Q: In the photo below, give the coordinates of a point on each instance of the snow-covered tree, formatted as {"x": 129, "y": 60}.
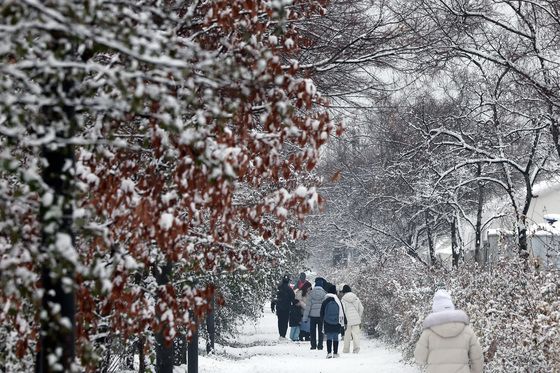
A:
{"x": 144, "y": 144}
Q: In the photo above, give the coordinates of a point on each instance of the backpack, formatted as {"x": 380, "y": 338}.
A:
{"x": 331, "y": 313}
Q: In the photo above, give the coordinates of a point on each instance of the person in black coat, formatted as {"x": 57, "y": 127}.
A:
{"x": 296, "y": 314}
{"x": 284, "y": 299}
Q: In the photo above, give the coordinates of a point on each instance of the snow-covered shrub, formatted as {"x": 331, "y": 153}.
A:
{"x": 514, "y": 307}
{"x": 9, "y": 350}
{"x": 515, "y": 310}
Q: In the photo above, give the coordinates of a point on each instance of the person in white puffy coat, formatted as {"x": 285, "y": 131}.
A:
{"x": 353, "y": 311}
{"x": 448, "y": 343}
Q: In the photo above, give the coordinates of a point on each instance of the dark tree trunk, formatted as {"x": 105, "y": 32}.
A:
{"x": 211, "y": 326}
{"x": 478, "y": 226}
{"x": 58, "y": 307}
{"x": 454, "y": 244}
{"x": 522, "y": 237}
{"x": 192, "y": 350}
{"x": 141, "y": 357}
{"x": 556, "y": 136}
{"x": 164, "y": 350}
{"x": 164, "y": 354}
{"x": 431, "y": 248}
{"x": 555, "y": 130}
{"x": 522, "y": 221}
{"x": 180, "y": 349}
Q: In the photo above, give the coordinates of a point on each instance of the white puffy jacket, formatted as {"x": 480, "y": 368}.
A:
{"x": 448, "y": 344}
{"x": 353, "y": 309}
{"x": 314, "y": 301}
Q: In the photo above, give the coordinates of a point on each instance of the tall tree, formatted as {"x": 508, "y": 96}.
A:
{"x": 191, "y": 126}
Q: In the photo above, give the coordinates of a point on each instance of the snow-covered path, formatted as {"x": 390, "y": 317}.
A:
{"x": 259, "y": 351}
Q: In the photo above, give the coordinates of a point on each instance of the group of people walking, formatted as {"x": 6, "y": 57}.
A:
{"x": 319, "y": 313}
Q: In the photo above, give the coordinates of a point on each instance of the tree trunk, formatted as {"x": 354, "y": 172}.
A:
{"x": 522, "y": 237}
{"x": 454, "y": 246}
{"x": 431, "y": 248}
{"x": 555, "y": 130}
{"x": 164, "y": 350}
{"x": 478, "y": 226}
{"x": 141, "y": 357}
{"x": 192, "y": 350}
{"x": 58, "y": 307}
{"x": 211, "y": 326}
{"x": 164, "y": 354}
{"x": 522, "y": 220}
{"x": 180, "y": 349}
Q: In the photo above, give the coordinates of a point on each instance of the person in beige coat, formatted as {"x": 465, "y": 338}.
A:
{"x": 448, "y": 344}
{"x": 353, "y": 311}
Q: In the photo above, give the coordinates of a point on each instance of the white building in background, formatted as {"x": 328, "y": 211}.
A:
{"x": 545, "y": 202}
{"x": 543, "y": 221}
{"x": 498, "y": 238}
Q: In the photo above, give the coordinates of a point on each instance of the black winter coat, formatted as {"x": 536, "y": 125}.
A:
{"x": 284, "y": 298}
{"x": 296, "y": 314}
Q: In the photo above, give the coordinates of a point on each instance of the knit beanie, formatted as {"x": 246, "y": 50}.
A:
{"x": 442, "y": 301}
{"x": 346, "y": 289}
{"x": 319, "y": 281}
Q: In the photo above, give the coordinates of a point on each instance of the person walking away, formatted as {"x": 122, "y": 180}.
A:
{"x": 353, "y": 311}
{"x": 284, "y": 299}
{"x": 448, "y": 343}
{"x": 296, "y": 314}
{"x": 313, "y": 314}
{"x": 332, "y": 315}
{"x": 302, "y": 295}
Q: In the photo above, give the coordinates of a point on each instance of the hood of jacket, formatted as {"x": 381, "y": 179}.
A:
{"x": 447, "y": 324}
{"x": 350, "y": 297}
{"x": 448, "y": 330}
{"x": 317, "y": 294}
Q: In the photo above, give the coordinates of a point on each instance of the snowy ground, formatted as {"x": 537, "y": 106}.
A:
{"x": 259, "y": 351}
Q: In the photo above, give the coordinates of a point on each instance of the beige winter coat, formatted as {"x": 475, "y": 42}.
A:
{"x": 353, "y": 309}
{"x": 448, "y": 344}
